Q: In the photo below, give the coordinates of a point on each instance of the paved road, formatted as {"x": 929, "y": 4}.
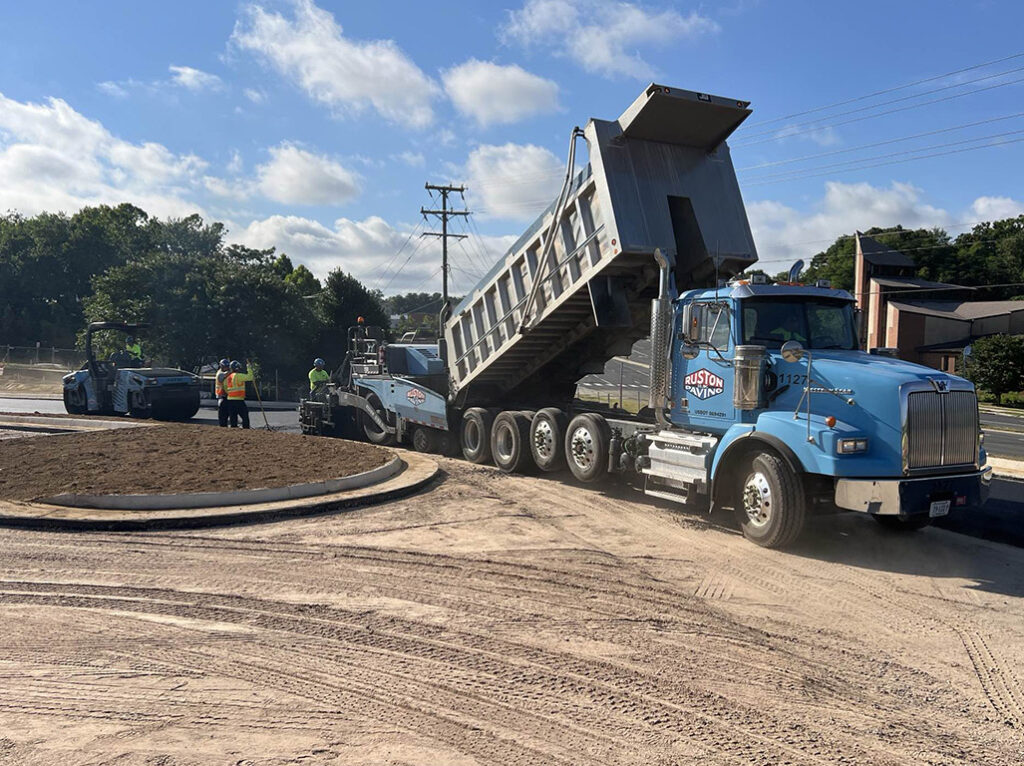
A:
{"x": 280, "y": 419}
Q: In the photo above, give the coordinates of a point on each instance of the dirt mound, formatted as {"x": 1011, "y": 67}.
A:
{"x": 174, "y": 458}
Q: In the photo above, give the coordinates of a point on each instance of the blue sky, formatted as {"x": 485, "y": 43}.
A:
{"x": 312, "y": 127}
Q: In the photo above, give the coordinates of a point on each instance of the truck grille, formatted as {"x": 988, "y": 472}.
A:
{"x": 942, "y": 429}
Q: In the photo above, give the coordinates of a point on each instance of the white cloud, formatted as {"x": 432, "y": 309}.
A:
{"x": 236, "y": 163}
{"x": 366, "y": 249}
{"x": 194, "y": 79}
{"x": 494, "y": 94}
{"x": 513, "y": 181}
{"x": 602, "y": 36}
{"x": 256, "y": 96}
{"x": 783, "y": 233}
{"x": 111, "y": 88}
{"x": 821, "y": 135}
{"x": 295, "y": 176}
{"x": 54, "y": 158}
{"x": 346, "y": 75}
{"x": 412, "y": 159}
{"x": 996, "y": 208}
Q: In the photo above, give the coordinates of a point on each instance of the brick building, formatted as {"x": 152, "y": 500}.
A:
{"x": 929, "y": 322}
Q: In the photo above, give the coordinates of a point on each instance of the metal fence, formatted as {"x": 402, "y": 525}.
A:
{"x": 64, "y": 358}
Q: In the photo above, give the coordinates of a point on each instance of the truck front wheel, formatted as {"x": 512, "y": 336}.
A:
{"x": 74, "y": 401}
{"x": 770, "y": 507}
{"x": 476, "y": 435}
{"x": 510, "y": 442}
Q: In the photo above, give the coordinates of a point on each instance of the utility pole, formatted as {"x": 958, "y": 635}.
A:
{"x": 444, "y": 214}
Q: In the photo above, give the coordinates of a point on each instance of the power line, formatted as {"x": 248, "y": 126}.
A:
{"x": 394, "y": 258}
{"x": 886, "y": 90}
{"x": 394, "y": 276}
{"x": 834, "y": 152}
{"x": 896, "y": 100}
{"x": 785, "y": 175}
{"x": 879, "y": 114}
{"x": 797, "y": 177}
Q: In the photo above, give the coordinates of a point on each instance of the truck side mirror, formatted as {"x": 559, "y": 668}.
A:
{"x": 693, "y": 315}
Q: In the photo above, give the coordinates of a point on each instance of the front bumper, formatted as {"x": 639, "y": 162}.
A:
{"x": 909, "y": 497}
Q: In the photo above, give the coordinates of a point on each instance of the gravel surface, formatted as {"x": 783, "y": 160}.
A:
{"x": 510, "y": 621}
{"x": 174, "y": 458}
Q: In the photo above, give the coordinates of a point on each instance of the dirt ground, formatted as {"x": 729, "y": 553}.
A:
{"x": 510, "y": 620}
{"x": 174, "y": 458}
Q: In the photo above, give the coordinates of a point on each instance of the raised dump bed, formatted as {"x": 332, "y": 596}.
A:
{"x": 549, "y": 313}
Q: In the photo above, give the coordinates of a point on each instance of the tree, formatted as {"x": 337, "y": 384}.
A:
{"x": 996, "y": 364}
{"x": 339, "y": 305}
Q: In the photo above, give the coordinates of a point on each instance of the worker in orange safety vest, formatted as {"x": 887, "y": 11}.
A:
{"x": 234, "y": 386}
{"x": 221, "y": 393}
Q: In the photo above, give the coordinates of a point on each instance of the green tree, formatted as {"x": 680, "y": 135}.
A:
{"x": 339, "y": 305}
{"x": 996, "y": 364}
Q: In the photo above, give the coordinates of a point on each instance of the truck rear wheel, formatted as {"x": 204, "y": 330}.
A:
{"x": 909, "y": 524}
{"x": 476, "y": 435}
{"x": 510, "y": 442}
{"x": 371, "y": 430}
{"x": 586, "y": 446}
{"x": 770, "y": 507}
{"x": 547, "y": 438}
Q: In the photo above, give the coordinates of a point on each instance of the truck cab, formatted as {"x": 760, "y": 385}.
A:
{"x": 777, "y": 369}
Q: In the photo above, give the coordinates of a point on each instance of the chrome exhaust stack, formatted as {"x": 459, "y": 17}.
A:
{"x": 661, "y": 342}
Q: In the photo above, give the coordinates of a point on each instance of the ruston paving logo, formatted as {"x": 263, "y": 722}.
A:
{"x": 416, "y": 397}
{"x": 704, "y": 383}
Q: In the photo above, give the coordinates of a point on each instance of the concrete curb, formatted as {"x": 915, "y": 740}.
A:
{"x": 419, "y": 471}
{"x": 237, "y": 497}
{"x": 1005, "y": 468}
{"x": 63, "y": 424}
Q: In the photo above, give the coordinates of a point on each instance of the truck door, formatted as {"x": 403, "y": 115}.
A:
{"x": 702, "y": 386}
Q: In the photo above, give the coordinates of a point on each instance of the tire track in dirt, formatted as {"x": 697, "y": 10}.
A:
{"x": 729, "y": 728}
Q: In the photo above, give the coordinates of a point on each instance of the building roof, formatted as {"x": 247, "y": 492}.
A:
{"x": 878, "y": 254}
{"x": 965, "y": 311}
{"x": 913, "y": 283}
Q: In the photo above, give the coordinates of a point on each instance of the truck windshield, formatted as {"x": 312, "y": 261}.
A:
{"x": 817, "y": 323}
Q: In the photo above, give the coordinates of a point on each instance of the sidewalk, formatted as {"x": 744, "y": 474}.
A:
{"x": 1005, "y": 468}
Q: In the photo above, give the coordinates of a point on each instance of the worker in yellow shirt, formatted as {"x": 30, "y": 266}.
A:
{"x": 133, "y": 347}
{"x": 318, "y": 376}
{"x": 234, "y": 386}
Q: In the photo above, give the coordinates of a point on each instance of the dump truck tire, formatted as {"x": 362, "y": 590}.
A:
{"x": 770, "y": 508}
{"x": 586, "y": 447}
{"x": 547, "y": 439}
{"x": 475, "y": 435}
{"x": 370, "y": 430}
{"x": 510, "y": 442}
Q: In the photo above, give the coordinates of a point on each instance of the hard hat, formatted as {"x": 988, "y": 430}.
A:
{"x": 360, "y": 320}
{"x": 318, "y": 362}
{"x": 236, "y": 366}
{"x": 130, "y": 339}
{"x": 225, "y": 362}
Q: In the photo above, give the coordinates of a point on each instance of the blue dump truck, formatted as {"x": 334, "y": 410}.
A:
{"x": 760, "y": 397}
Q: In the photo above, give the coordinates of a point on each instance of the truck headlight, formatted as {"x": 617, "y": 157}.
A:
{"x": 851, "y": 446}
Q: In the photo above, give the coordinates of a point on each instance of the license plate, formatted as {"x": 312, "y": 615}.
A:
{"x": 939, "y": 508}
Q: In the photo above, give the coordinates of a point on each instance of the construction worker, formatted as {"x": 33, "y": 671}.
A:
{"x": 234, "y": 386}
{"x": 222, "y": 393}
{"x": 318, "y": 376}
{"x": 133, "y": 347}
